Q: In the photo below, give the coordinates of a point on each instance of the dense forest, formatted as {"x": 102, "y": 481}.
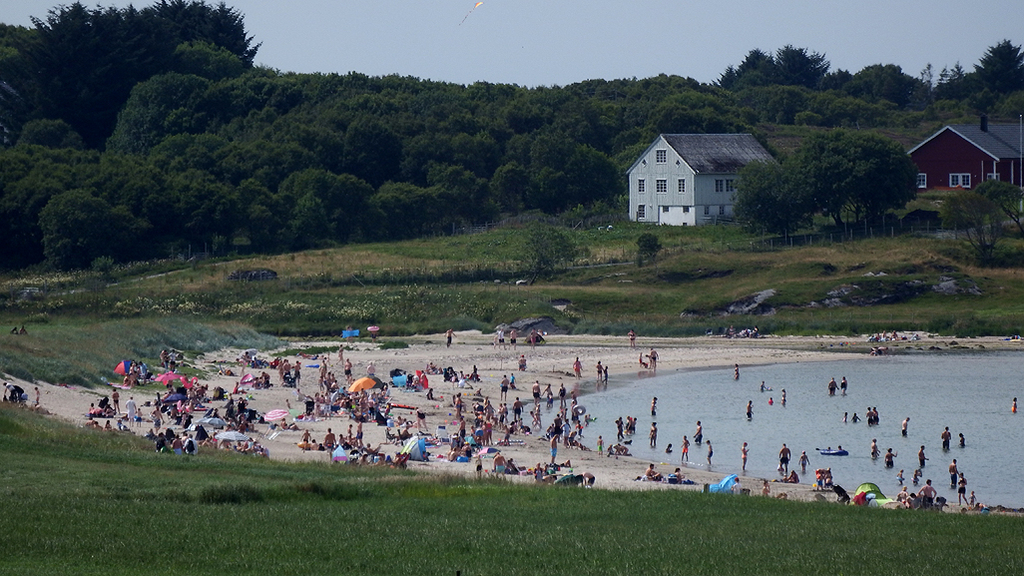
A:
{"x": 132, "y": 134}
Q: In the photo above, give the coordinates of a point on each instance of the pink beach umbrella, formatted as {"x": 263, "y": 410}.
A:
{"x": 275, "y": 415}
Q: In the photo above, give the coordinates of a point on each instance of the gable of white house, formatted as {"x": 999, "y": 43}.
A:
{"x": 661, "y": 186}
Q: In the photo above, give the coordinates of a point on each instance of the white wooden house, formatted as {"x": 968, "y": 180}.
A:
{"x": 690, "y": 179}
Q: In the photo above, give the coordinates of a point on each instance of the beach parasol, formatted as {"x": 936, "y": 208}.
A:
{"x": 174, "y": 398}
{"x": 275, "y": 415}
{"x": 366, "y": 383}
{"x": 232, "y": 436}
{"x": 167, "y": 377}
{"x": 488, "y": 451}
{"x": 339, "y": 455}
{"x": 123, "y": 367}
{"x": 212, "y": 421}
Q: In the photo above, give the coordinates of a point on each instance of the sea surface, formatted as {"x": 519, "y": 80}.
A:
{"x": 971, "y": 393}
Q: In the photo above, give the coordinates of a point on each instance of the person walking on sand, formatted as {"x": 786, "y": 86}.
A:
{"x": 632, "y": 339}
{"x": 554, "y": 447}
{"x": 577, "y": 367}
{"x": 653, "y": 359}
{"x": 448, "y": 336}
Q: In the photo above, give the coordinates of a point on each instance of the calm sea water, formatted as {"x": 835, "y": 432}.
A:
{"x": 971, "y": 393}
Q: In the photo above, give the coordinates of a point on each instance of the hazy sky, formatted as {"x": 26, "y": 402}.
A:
{"x": 558, "y": 42}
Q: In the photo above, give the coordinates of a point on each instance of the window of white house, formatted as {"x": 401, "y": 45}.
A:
{"x": 719, "y": 185}
{"x": 707, "y": 210}
{"x": 962, "y": 180}
{"x": 922, "y": 180}
{"x": 641, "y": 212}
{"x": 664, "y": 209}
{"x": 686, "y": 209}
{"x": 661, "y": 156}
{"x": 661, "y": 186}
{"x": 641, "y": 186}
{"x": 729, "y": 186}
{"x": 721, "y": 210}
{"x": 682, "y": 185}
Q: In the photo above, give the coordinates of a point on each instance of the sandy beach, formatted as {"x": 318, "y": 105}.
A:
{"x": 549, "y": 363}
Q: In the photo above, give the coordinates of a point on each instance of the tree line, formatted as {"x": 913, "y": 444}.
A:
{"x": 133, "y": 134}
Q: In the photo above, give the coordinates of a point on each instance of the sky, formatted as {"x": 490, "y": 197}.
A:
{"x": 560, "y": 42}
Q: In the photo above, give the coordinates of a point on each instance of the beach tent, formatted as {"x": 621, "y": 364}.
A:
{"x": 870, "y": 492}
{"x": 416, "y": 448}
{"x": 725, "y": 486}
{"x": 366, "y": 383}
{"x": 570, "y": 480}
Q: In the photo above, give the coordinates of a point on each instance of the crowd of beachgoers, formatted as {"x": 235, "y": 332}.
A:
{"x": 483, "y": 404}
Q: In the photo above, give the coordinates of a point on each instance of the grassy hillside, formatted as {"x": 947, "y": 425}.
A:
{"x": 702, "y": 278}
{"x": 104, "y": 503}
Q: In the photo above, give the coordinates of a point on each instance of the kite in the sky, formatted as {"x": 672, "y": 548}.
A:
{"x": 470, "y": 12}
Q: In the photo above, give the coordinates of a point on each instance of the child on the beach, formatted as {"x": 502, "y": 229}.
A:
{"x": 899, "y": 477}
{"x": 917, "y": 477}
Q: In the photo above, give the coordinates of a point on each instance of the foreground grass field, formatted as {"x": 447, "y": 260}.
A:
{"x": 79, "y": 502}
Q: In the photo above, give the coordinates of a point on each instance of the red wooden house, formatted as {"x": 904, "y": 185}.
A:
{"x": 963, "y": 155}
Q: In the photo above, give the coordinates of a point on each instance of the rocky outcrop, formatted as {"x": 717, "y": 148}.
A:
{"x": 252, "y": 275}
{"x": 523, "y": 326}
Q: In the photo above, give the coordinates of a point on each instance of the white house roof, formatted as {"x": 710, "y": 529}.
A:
{"x": 998, "y": 141}
{"x": 715, "y": 153}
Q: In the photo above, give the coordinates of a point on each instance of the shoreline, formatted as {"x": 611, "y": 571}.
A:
{"x": 550, "y": 363}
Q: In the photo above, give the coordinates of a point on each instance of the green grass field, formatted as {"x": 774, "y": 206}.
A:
{"x": 84, "y": 502}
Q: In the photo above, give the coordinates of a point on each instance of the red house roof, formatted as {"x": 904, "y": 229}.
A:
{"x": 999, "y": 141}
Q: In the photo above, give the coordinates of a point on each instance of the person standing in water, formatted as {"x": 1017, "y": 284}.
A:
{"x": 743, "y": 455}
{"x": 698, "y": 434}
{"x": 750, "y": 409}
{"x": 711, "y": 453}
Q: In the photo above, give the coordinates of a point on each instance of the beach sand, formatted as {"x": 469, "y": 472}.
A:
{"x": 550, "y": 363}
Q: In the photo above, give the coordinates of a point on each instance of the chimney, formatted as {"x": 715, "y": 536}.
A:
{"x": 984, "y": 123}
